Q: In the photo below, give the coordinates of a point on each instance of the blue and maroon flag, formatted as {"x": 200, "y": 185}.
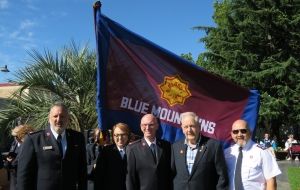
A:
{"x": 136, "y": 77}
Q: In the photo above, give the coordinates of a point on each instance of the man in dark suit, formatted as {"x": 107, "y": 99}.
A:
{"x": 54, "y": 158}
{"x": 148, "y": 159}
{"x": 197, "y": 161}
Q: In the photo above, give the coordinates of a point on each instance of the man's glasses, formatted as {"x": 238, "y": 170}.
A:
{"x": 236, "y": 131}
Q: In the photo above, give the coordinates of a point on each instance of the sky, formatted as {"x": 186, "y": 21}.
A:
{"x": 27, "y": 25}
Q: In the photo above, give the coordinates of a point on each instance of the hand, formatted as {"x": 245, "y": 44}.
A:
{"x": 10, "y": 159}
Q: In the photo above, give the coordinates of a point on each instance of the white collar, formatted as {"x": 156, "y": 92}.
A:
{"x": 149, "y": 143}
{"x": 56, "y": 134}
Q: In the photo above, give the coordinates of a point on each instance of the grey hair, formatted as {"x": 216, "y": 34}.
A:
{"x": 189, "y": 114}
{"x": 60, "y": 104}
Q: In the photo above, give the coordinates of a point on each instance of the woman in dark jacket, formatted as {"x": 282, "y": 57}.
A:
{"x": 111, "y": 165}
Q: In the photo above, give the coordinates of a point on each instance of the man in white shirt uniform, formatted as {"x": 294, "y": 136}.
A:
{"x": 249, "y": 165}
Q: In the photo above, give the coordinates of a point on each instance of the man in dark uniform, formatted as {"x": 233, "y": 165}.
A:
{"x": 197, "y": 161}
{"x": 54, "y": 158}
{"x": 148, "y": 159}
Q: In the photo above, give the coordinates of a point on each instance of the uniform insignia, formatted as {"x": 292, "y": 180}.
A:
{"x": 47, "y": 147}
{"x": 181, "y": 151}
{"x": 174, "y": 90}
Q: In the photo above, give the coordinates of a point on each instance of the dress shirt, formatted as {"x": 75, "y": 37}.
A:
{"x": 191, "y": 153}
{"x": 258, "y": 165}
{"x": 63, "y": 140}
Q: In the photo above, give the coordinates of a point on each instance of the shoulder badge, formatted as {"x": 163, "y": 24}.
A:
{"x": 34, "y": 132}
{"x": 134, "y": 142}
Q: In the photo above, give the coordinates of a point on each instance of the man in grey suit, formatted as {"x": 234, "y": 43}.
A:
{"x": 53, "y": 158}
{"x": 148, "y": 159}
{"x": 197, "y": 161}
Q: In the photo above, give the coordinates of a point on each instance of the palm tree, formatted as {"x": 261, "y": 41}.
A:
{"x": 68, "y": 76}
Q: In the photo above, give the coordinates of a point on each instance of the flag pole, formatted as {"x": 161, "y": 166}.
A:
{"x": 96, "y": 6}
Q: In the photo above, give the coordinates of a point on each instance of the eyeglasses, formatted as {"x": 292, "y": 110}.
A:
{"x": 236, "y": 131}
{"x": 120, "y": 135}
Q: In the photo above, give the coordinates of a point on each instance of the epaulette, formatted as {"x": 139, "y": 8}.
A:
{"x": 261, "y": 146}
{"x": 34, "y": 132}
{"x": 134, "y": 142}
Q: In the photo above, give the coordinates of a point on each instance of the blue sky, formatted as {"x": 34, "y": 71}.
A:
{"x": 39, "y": 25}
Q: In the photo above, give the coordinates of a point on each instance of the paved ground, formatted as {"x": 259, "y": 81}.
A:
{"x": 282, "y": 180}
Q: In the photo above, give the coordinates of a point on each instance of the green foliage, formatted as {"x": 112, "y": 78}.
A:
{"x": 294, "y": 176}
{"x": 188, "y": 57}
{"x": 68, "y": 76}
{"x": 256, "y": 44}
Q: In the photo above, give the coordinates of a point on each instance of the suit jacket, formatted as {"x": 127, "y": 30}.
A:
{"x": 209, "y": 170}
{"x": 143, "y": 172}
{"x": 12, "y": 166}
{"x": 92, "y": 152}
{"x": 41, "y": 166}
{"x": 110, "y": 169}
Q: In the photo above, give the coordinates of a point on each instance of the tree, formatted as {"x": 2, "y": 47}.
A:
{"x": 256, "y": 44}
{"x": 68, "y": 76}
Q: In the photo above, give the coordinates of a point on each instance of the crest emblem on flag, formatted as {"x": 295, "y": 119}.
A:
{"x": 174, "y": 90}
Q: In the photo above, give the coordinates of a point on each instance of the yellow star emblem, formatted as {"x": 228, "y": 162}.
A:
{"x": 174, "y": 90}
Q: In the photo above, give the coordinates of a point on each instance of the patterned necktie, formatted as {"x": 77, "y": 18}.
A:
{"x": 153, "y": 150}
{"x": 238, "y": 184}
{"x": 59, "y": 138}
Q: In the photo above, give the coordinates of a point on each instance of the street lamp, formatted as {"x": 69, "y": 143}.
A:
{"x": 4, "y": 69}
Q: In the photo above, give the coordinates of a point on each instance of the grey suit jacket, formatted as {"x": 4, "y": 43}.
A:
{"x": 209, "y": 171}
{"x": 41, "y": 166}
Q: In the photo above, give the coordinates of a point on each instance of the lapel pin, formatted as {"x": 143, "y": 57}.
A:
{"x": 47, "y": 147}
{"x": 143, "y": 144}
{"x": 181, "y": 151}
{"x": 202, "y": 147}
{"x": 48, "y": 134}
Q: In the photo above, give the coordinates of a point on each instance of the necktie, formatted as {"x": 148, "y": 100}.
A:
{"x": 59, "y": 138}
{"x": 153, "y": 150}
{"x": 122, "y": 153}
{"x": 238, "y": 171}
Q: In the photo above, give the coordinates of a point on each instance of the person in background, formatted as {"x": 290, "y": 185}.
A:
{"x": 266, "y": 143}
{"x": 53, "y": 158}
{"x": 93, "y": 150}
{"x": 19, "y": 133}
{"x": 250, "y": 166}
{"x": 111, "y": 165}
{"x": 274, "y": 143}
{"x": 288, "y": 144}
{"x": 197, "y": 161}
{"x": 10, "y": 160}
{"x": 148, "y": 159}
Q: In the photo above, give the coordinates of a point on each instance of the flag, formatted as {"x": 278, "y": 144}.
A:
{"x": 136, "y": 77}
